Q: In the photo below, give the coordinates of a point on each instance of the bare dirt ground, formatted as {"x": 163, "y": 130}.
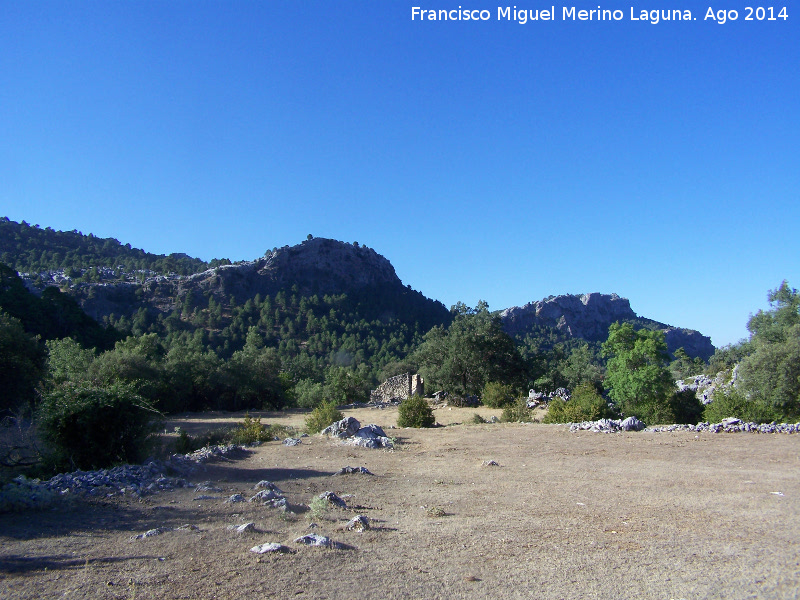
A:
{"x": 564, "y": 515}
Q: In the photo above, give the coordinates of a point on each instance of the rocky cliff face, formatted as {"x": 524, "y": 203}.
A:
{"x": 589, "y": 316}
{"x": 317, "y": 266}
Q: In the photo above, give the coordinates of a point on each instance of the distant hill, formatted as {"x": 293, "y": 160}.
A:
{"x": 589, "y": 316}
{"x": 53, "y": 315}
{"x": 316, "y": 267}
{"x": 43, "y": 253}
{"x": 139, "y": 291}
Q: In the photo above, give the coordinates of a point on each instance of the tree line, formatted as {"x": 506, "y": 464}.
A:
{"x": 291, "y": 350}
{"x": 32, "y": 249}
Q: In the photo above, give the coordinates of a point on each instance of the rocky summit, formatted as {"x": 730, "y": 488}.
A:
{"x": 316, "y": 266}
{"x": 589, "y": 316}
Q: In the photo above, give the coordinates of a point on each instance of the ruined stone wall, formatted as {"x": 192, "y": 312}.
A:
{"x": 398, "y": 387}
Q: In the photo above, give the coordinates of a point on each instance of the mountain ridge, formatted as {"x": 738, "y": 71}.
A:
{"x": 588, "y": 316}
{"x": 314, "y": 266}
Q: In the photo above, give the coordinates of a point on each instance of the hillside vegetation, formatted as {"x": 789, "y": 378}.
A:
{"x": 31, "y": 249}
{"x": 325, "y": 321}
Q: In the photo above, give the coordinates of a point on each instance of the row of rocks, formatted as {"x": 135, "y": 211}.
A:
{"x": 137, "y": 480}
{"x": 608, "y": 425}
{"x": 732, "y": 425}
{"x": 729, "y": 425}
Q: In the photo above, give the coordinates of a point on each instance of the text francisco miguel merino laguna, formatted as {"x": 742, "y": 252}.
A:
{"x": 566, "y": 13}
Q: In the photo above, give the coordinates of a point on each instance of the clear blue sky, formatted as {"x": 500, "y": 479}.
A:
{"x": 486, "y": 160}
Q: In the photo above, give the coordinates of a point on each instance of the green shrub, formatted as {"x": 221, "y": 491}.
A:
{"x": 585, "y": 404}
{"x": 279, "y": 431}
{"x": 213, "y": 437}
{"x": 653, "y": 412}
{"x": 322, "y": 416}
{"x": 318, "y": 509}
{"x": 249, "y": 431}
{"x": 733, "y": 403}
{"x": 415, "y": 412}
{"x": 518, "y": 412}
{"x": 686, "y": 408}
{"x": 90, "y": 427}
{"x": 308, "y": 393}
{"x": 477, "y": 419}
{"x": 185, "y": 443}
{"x": 497, "y": 395}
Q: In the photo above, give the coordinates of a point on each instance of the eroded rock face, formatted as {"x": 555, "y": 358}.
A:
{"x": 318, "y": 265}
{"x": 705, "y": 386}
{"x": 587, "y": 316}
{"x": 590, "y": 315}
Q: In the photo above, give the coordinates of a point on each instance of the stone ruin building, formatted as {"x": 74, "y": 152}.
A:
{"x": 398, "y": 387}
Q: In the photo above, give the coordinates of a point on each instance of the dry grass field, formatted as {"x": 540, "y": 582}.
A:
{"x": 564, "y": 515}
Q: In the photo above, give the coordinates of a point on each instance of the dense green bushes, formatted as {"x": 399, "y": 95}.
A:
{"x": 322, "y": 416}
{"x": 734, "y": 403}
{"x": 517, "y": 412}
{"x": 22, "y": 361}
{"x": 585, "y": 404}
{"x": 768, "y": 383}
{"x": 686, "y": 408}
{"x": 637, "y": 373}
{"x": 497, "y": 395}
{"x": 91, "y": 427}
{"x": 473, "y": 351}
{"x": 415, "y": 412}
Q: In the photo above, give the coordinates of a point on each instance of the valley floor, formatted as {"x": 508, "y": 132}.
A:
{"x": 563, "y": 515}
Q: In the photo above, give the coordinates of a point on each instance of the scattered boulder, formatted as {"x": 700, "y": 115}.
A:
{"x": 632, "y": 424}
{"x": 245, "y": 528}
{"x": 267, "y": 485}
{"x": 345, "y": 428}
{"x": 370, "y": 431}
{"x": 319, "y": 541}
{"x": 151, "y": 533}
{"x": 350, "y": 470}
{"x": 265, "y": 495}
{"x": 377, "y": 442}
{"x": 349, "y": 430}
{"x": 333, "y": 499}
{"x": 206, "y": 486}
{"x": 271, "y": 547}
{"x": 291, "y": 441}
{"x": 491, "y": 463}
{"x": 358, "y": 523}
{"x": 236, "y": 498}
{"x": 705, "y": 386}
{"x": 537, "y": 398}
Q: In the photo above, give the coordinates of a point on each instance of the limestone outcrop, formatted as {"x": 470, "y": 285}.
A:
{"x": 589, "y": 316}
